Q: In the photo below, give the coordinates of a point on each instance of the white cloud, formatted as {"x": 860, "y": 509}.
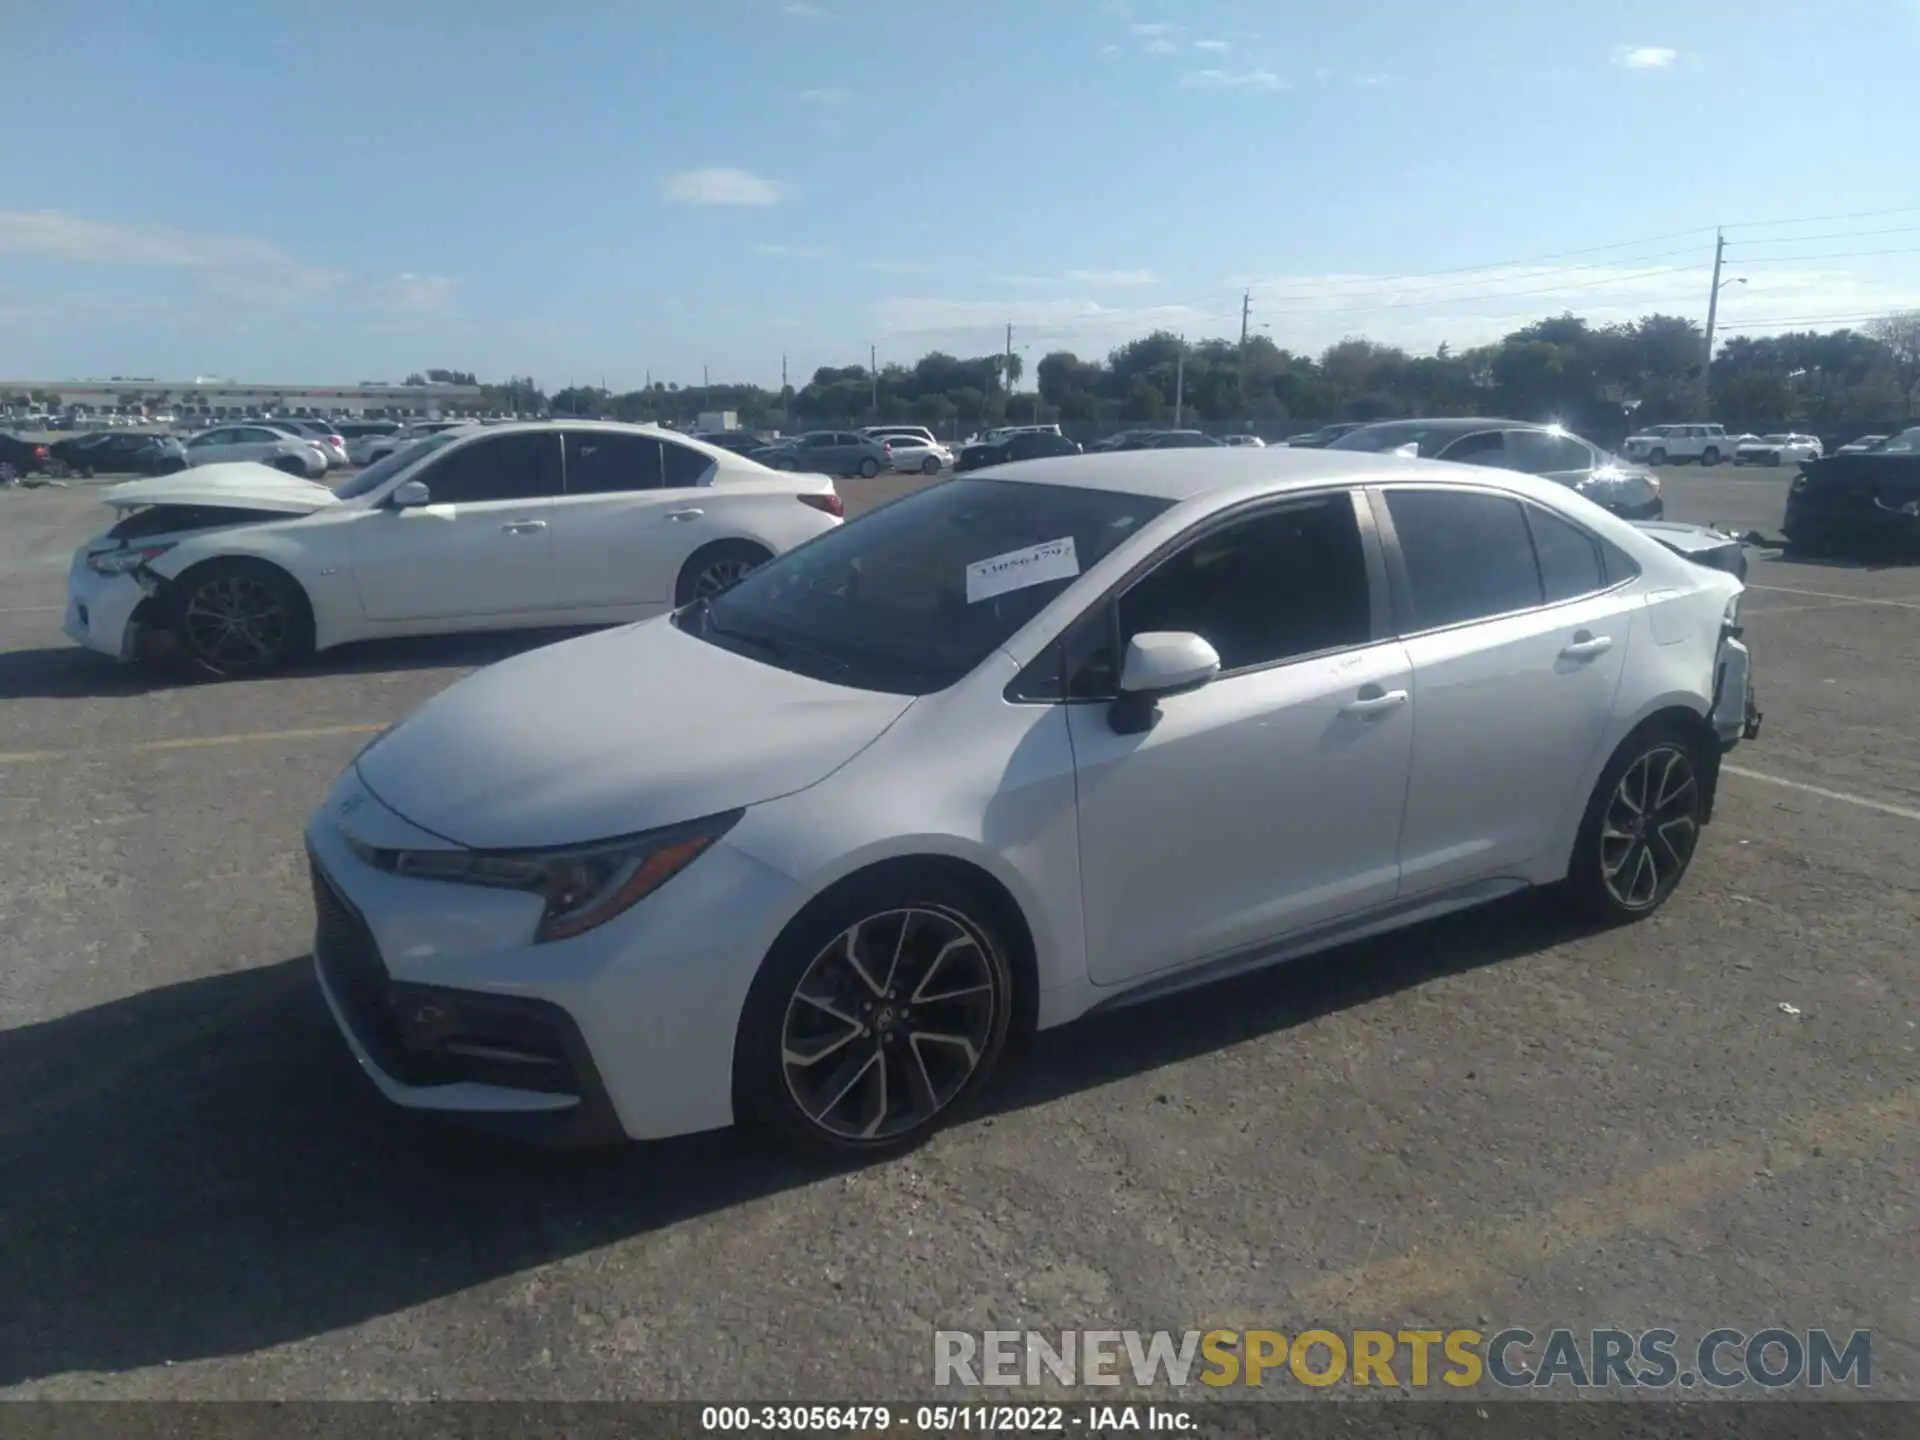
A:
{"x": 1152, "y": 32}
{"x": 795, "y": 252}
{"x": 1113, "y": 277}
{"x": 1217, "y": 47}
{"x": 826, "y": 97}
{"x": 1021, "y": 280}
{"x": 896, "y": 267}
{"x": 1644, "y": 57}
{"x": 721, "y": 186}
{"x": 418, "y": 296}
{"x": 237, "y": 263}
{"x": 1161, "y": 47}
{"x": 1232, "y": 80}
{"x": 966, "y": 326}
{"x": 1106, "y": 50}
{"x": 801, "y": 10}
{"x": 1372, "y": 82}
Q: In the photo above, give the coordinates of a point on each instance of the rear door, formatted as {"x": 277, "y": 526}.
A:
{"x": 1517, "y": 643}
{"x": 482, "y": 546}
{"x": 633, "y": 509}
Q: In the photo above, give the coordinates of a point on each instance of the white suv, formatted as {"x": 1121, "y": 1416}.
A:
{"x": 1677, "y": 444}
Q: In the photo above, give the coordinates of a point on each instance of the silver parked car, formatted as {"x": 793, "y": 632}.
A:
{"x": 1629, "y": 491}
{"x": 829, "y": 452}
{"x": 331, "y": 444}
{"x": 295, "y": 455}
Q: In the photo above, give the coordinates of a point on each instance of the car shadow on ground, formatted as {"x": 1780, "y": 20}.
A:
{"x": 200, "y": 1171}
{"x": 65, "y": 672}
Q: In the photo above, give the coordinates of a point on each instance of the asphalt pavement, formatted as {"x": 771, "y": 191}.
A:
{"x": 1709, "y": 1119}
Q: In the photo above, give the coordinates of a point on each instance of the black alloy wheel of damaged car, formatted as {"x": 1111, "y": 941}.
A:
{"x": 237, "y": 618}
{"x": 1641, "y": 826}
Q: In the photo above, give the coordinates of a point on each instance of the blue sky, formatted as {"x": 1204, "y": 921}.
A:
{"x": 349, "y": 191}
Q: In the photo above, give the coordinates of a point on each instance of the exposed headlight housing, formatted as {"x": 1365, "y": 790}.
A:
{"x": 584, "y": 886}
{"x": 126, "y": 560}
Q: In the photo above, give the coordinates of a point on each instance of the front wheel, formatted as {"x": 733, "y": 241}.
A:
{"x": 930, "y": 465}
{"x": 287, "y": 465}
{"x": 878, "y": 1015}
{"x": 1710, "y": 456}
{"x": 1658, "y": 457}
{"x": 1641, "y": 828}
{"x": 236, "y": 618}
{"x": 869, "y": 468}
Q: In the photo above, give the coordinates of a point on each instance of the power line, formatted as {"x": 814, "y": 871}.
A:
{"x": 1826, "y": 255}
{"x": 1811, "y": 219}
{"x": 1832, "y": 235}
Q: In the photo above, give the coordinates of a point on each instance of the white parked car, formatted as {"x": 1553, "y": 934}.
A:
{"x": 332, "y": 445}
{"x": 913, "y": 434}
{"x": 1677, "y": 444}
{"x": 243, "y": 569}
{"x": 1778, "y": 450}
{"x": 1251, "y": 442}
{"x": 295, "y": 454}
{"x": 372, "y": 449}
{"x": 911, "y": 454}
{"x": 1044, "y": 738}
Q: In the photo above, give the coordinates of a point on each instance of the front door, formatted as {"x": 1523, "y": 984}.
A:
{"x": 482, "y": 546}
{"x": 1270, "y": 800}
{"x": 1517, "y": 645}
{"x": 631, "y": 514}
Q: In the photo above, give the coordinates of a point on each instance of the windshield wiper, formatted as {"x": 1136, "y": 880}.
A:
{"x": 775, "y": 646}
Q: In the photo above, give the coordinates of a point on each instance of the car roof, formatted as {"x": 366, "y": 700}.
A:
{"x": 1186, "y": 474}
{"x": 727, "y": 459}
{"x": 1453, "y": 424}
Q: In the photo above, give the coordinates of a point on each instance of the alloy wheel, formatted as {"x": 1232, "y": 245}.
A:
{"x": 236, "y": 622}
{"x": 1650, "y": 828}
{"x": 889, "y": 1023}
{"x": 719, "y": 575}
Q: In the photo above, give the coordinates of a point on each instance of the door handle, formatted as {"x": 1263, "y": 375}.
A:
{"x": 1376, "y": 704}
{"x": 1586, "y": 645}
{"x": 523, "y": 527}
{"x": 685, "y": 514}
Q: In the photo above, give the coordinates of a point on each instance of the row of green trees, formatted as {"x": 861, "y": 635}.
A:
{"x": 1599, "y": 378}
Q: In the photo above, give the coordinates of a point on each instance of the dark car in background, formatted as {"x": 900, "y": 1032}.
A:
{"x": 740, "y": 442}
{"x": 828, "y": 452}
{"x": 1629, "y": 491}
{"x": 1179, "y": 440}
{"x": 1857, "y": 503}
{"x": 1324, "y": 436}
{"x": 117, "y": 452}
{"x": 1027, "y": 445}
{"x": 21, "y": 457}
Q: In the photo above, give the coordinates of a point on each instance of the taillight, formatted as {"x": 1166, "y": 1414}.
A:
{"x": 40, "y": 452}
{"x": 829, "y": 502}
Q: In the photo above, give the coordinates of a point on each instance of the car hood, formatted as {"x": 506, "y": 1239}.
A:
{"x": 243, "y": 484}
{"x": 613, "y": 734}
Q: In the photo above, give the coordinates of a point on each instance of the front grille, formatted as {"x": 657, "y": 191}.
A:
{"x": 345, "y": 950}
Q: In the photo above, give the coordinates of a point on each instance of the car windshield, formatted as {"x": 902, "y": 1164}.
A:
{"x": 390, "y": 465}
{"x": 914, "y": 596}
{"x": 1379, "y": 439}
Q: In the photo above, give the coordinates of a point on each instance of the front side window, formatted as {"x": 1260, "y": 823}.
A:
{"x": 914, "y": 596}
{"x": 502, "y": 467}
{"x": 390, "y": 465}
{"x": 1488, "y": 447}
{"x": 1468, "y": 555}
{"x": 608, "y": 463}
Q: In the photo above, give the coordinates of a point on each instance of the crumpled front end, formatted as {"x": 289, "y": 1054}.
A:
{"x": 105, "y": 612}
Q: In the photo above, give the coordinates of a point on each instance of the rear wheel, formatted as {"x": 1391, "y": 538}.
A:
{"x": 235, "y": 618}
{"x": 877, "y": 1016}
{"x": 287, "y": 464}
{"x": 1710, "y": 456}
{"x": 930, "y": 465}
{"x": 1641, "y": 827}
{"x": 716, "y": 568}
{"x": 869, "y": 468}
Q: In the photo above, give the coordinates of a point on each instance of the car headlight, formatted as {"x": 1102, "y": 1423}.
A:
{"x": 584, "y": 886}
{"x": 124, "y": 561}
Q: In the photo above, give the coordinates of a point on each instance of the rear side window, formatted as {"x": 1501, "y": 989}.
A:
{"x": 1468, "y": 555}
{"x": 681, "y": 466}
{"x": 608, "y": 463}
{"x": 1485, "y": 448}
{"x": 1570, "y": 562}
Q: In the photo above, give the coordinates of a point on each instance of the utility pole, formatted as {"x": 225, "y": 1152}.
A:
{"x": 1008, "y": 370}
{"x": 1246, "y": 314}
{"x": 1713, "y": 313}
{"x": 1180, "y": 383}
{"x": 783, "y": 390}
{"x": 873, "y": 378}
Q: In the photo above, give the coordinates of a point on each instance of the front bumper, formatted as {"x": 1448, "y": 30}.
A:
{"x": 1736, "y": 713}
{"x": 449, "y": 1006}
{"x": 100, "y": 611}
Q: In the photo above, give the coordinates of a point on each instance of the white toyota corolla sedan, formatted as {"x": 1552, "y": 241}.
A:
{"x": 239, "y": 569}
{"x": 1049, "y": 737}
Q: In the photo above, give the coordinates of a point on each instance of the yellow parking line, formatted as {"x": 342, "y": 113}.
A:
{"x": 1643, "y": 1202}
{"x": 1842, "y": 796}
{"x": 195, "y": 742}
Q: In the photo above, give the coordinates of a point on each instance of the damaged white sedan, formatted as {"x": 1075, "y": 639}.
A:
{"x": 238, "y": 569}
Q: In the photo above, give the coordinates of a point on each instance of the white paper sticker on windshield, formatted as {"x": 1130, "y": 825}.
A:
{"x": 1017, "y": 569}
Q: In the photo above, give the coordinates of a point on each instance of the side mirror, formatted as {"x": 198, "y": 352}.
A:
{"x": 409, "y": 494}
{"x": 1159, "y": 664}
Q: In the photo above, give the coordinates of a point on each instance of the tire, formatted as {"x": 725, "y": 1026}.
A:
{"x": 930, "y": 465}
{"x": 1657, "y": 456}
{"x": 274, "y": 623}
{"x": 895, "y": 1085}
{"x": 1627, "y": 863}
{"x": 9, "y": 472}
{"x": 288, "y": 465}
{"x": 1710, "y": 456}
{"x": 712, "y": 569}
{"x": 869, "y": 468}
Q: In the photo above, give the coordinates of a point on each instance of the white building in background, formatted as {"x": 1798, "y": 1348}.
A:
{"x": 220, "y": 398}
